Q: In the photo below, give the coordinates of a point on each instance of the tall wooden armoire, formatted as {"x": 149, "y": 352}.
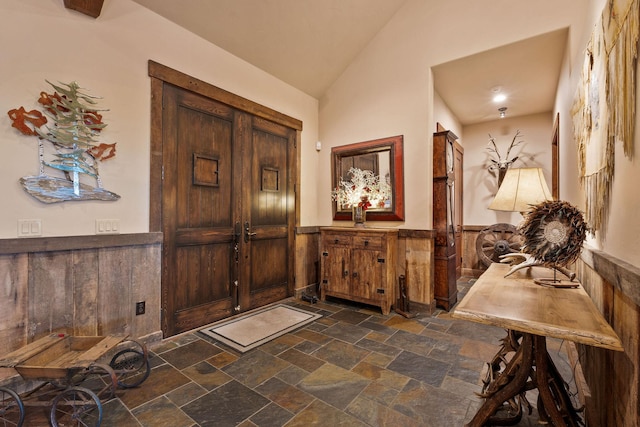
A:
{"x": 445, "y": 288}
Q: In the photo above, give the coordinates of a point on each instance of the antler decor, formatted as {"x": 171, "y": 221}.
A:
{"x": 501, "y": 165}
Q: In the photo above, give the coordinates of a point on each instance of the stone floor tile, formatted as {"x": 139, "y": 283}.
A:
{"x": 292, "y": 375}
{"x": 255, "y": 367}
{"x": 161, "y": 412}
{"x": 320, "y": 414}
{"x": 307, "y": 362}
{"x": 271, "y": 415}
{"x": 287, "y": 396}
{"x": 380, "y": 393}
{"x": 378, "y": 347}
{"x": 186, "y": 393}
{"x": 282, "y": 343}
{"x": 346, "y": 332}
{"x": 161, "y": 380}
{"x": 307, "y": 347}
{"x": 379, "y": 359}
{"x": 316, "y": 337}
{"x": 376, "y": 415}
{"x": 411, "y": 342}
{"x": 341, "y": 354}
{"x": 382, "y": 376}
{"x": 350, "y": 316}
{"x": 334, "y": 385}
{"x": 227, "y": 405}
{"x": 190, "y": 353}
{"x": 421, "y": 368}
{"x": 118, "y": 415}
{"x": 206, "y": 375}
{"x": 222, "y": 359}
{"x": 402, "y": 323}
{"x": 378, "y": 327}
{"x": 431, "y": 406}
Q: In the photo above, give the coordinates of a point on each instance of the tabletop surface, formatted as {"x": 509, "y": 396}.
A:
{"x": 517, "y": 303}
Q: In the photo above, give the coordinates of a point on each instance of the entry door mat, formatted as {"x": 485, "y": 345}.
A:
{"x": 260, "y": 326}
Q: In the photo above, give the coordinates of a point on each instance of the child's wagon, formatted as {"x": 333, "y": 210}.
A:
{"x": 70, "y": 380}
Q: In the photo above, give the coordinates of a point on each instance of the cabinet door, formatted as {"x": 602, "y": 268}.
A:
{"x": 368, "y": 274}
{"x": 337, "y": 269}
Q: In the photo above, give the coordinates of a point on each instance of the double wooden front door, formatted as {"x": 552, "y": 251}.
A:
{"x": 228, "y": 210}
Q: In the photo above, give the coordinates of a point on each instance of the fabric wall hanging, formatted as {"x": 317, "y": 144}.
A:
{"x": 604, "y": 107}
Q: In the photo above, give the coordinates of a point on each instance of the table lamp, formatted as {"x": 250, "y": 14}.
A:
{"x": 520, "y": 189}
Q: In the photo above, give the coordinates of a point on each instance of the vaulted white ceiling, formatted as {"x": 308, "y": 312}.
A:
{"x": 309, "y": 43}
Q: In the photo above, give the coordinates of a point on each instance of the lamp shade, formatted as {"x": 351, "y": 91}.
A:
{"x": 520, "y": 189}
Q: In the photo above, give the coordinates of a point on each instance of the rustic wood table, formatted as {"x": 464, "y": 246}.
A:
{"x": 530, "y": 313}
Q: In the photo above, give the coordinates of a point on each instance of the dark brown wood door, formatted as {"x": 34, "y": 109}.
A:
{"x": 268, "y": 214}
{"x": 227, "y": 211}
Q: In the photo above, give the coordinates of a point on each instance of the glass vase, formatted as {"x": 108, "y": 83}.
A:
{"x": 358, "y": 215}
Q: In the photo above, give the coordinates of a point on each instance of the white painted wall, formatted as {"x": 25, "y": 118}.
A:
{"x": 443, "y": 115}
{"x": 623, "y": 229}
{"x": 480, "y": 186}
{"x": 42, "y": 40}
{"x": 388, "y": 89}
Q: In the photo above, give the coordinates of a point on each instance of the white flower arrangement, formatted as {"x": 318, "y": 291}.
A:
{"x": 365, "y": 189}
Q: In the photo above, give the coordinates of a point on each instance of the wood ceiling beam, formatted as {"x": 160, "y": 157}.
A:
{"x": 88, "y": 7}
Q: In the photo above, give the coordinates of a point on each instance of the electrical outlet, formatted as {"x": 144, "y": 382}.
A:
{"x": 140, "y": 308}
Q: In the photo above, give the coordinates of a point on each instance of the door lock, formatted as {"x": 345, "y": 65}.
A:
{"x": 247, "y": 232}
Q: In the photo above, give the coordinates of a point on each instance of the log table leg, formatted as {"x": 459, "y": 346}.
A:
{"x": 529, "y": 367}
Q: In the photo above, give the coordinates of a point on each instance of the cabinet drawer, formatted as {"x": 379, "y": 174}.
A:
{"x": 336, "y": 239}
{"x": 368, "y": 242}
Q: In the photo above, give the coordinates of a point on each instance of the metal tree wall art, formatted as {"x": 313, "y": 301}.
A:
{"x": 73, "y": 133}
{"x": 499, "y": 164}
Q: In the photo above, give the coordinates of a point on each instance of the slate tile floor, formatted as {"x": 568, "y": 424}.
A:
{"x": 352, "y": 367}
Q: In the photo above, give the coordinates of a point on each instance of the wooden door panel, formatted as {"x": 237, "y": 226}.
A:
{"x": 270, "y": 214}
{"x": 198, "y": 201}
{"x": 227, "y": 210}
{"x": 364, "y": 283}
{"x": 337, "y": 269}
{"x": 204, "y": 169}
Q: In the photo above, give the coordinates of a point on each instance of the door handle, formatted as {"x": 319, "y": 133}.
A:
{"x": 247, "y": 232}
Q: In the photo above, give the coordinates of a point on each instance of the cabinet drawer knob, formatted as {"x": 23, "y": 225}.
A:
{"x": 366, "y": 243}
{"x": 336, "y": 241}
{"x": 355, "y": 274}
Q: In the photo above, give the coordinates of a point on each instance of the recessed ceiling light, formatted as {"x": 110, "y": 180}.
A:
{"x": 499, "y": 97}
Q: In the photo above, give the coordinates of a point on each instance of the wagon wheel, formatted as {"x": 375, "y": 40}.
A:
{"x": 496, "y": 240}
{"x": 100, "y": 379}
{"x": 131, "y": 367}
{"x": 11, "y": 408}
{"x": 76, "y": 406}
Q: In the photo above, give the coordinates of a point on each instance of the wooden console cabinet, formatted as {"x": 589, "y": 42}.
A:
{"x": 359, "y": 264}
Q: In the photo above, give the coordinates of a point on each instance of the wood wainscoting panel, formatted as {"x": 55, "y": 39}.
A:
{"x": 82, "y": 285}
{"x": 51, "y": 305}
{"x": 415, "y": 261}
{"x": 613, "y": 377}
{"x": 471, "y": 264}
{"x": 13, "y": 300}
{"x": 85, "y": 291}
{"x": 307, "y": 268}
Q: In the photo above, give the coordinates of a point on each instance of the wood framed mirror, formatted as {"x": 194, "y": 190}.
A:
{"x": 384, "y": 157}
